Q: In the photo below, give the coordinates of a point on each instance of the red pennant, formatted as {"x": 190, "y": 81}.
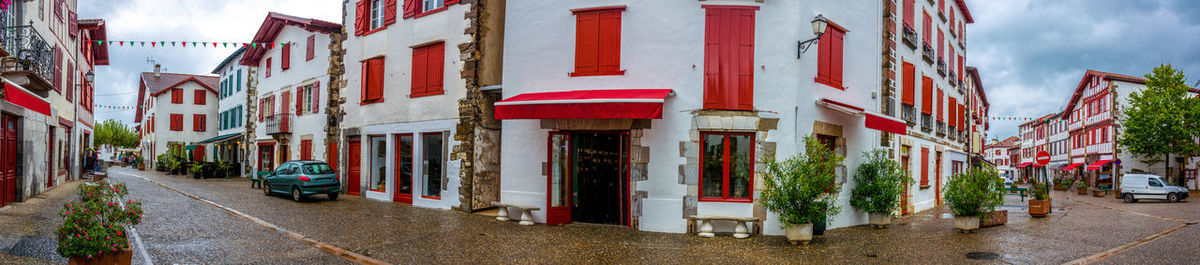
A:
{"x": 122, "y": 43}
{"x": 185, "y": 44}
{"x": 214, "y": 44}
{"x": 151, "y": 44}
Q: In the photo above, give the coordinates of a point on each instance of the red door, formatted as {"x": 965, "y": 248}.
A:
{"x": 353, "y": 170}
{"x": 904, "y": 161}
{"x": 50, "y": 159}
{"x": 306, "y": 149}
{"x": 558, "y": 188}
{"x": 937, "y": 184}
{"x": 8, "y": 160}
{"x": 404, "y": 165}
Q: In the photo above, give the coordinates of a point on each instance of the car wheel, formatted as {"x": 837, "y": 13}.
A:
{"x": 296, "y": 194}
{"x": 266, "y": 188}
{"x": 1172, "y": 197}
{"x": 1128, "y": 198}
{"x": 333, "y": 196}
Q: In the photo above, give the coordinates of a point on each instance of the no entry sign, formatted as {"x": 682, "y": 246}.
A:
{"x": 1042, "y": 158}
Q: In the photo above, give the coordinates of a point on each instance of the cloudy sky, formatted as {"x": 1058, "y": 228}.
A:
{"x": 1030, "y": 53}
{"x": 177, "y": 20}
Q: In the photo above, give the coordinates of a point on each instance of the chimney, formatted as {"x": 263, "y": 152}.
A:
{"x": 157, "y": 70}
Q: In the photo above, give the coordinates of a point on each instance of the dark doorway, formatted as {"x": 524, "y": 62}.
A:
{"x": 598, "y": 182}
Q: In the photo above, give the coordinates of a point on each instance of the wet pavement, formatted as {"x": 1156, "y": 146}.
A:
{"x": 180, "y": 229}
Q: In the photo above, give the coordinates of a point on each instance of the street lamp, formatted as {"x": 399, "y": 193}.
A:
{"x": 90, "y": 76}
{"x": 819, "y": 24}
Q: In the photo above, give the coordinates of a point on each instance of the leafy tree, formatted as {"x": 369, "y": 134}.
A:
{"x": 1162, "y": 119}
{"x": 115, "y": 133}
{"x": 878, "y": 184}
{"x": 803, "y": 188}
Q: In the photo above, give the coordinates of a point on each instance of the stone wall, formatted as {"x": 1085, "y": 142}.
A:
{"x": 477, "y": 132}
{"x": 724, "y": 121}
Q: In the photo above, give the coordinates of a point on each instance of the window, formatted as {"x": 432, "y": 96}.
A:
{"x": 729, "y": 57}
{"x": 239, "y": 80}
{"x": 1155, "y": 182}
{"x": 374, "y": 15}
{"x": 427, "y": 68}
{"x": 909, "y": 74}
{"x": 726, "y": 168}
{"x": 926, "y": 95}
{"x": 311, "y": 51}
{"x": 372, "y": 81}
{"x": 176, "y": 96}
{"x": 430, "y": 5}
{"x": 199, "y": 122}
{"x": 177, "y": 122}
{"x": 927, "y": 29}
{"x": 268, "y": 70}
{"x": 317, "y": 168}
{"x": 909, "y": 14}
{"x": 285, "y": 57}
{"x": 377, "y": 10}
{"x": 924, "y": 167}
{"x": 200, "y": 96}
{"x": 378, "y": 164}
{"x": 432, "y": 165}
{"x": 598, "y": 41}
{"x": 404, "y": 164}
{"x": 829, "y": 58}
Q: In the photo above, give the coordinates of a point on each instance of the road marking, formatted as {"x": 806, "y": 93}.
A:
{"x": 341, "y": 252}
{"x": 1127, "y": 246}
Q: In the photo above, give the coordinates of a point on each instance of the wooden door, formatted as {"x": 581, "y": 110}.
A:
{"x": 937, "y": 184}
{"x": 306, "y": 149}
{"x": 403, "y": 146}
{"x": 558, "y": 187}
{"x": 353, "y": 167}
{"x": 8, "y": 160}
{"x": 904, "y": 164}
{"x": 50, "y": 159}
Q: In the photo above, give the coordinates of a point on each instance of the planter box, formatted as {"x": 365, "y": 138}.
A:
{"x": 1059, "y": 186}
{"x": 966, "y": 224}
{"x": 122, "y": 257}
{"x": 1098, "y": 193}
{"x": 1082, "y": 191}
{"x": 1039, "y": 208}
{"x": 994, "y": 218}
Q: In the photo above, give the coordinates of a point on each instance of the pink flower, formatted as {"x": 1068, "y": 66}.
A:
{"x": 114, "y": 245}
{"x": 109, "y": 238}
{"x": 118, "y": 233}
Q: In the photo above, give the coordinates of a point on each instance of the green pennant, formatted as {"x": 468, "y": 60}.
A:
{"x": 193, "y": 44}
{"x": 163, "y": 43}
{"x": 224, "y": 44}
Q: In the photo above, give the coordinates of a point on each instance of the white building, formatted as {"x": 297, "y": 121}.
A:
{"x": 287, "y": 77}
{"x": 228, "y": 145}
{"x": 175, "y": 112}
{"x": 996, "y": 153}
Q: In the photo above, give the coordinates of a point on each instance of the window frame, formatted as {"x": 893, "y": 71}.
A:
{"x": 726, "y": 163}
{"x": 176, "y": 96}
{"x": 428, "y": 67}
{"x": 199, "y": 122}
{"x": 366, "y": 85}
{"x": 371, "y": 162}
{"x": 375, "y": 21}
{"x": 442, "y": 161}
{"x": 831, "y": 62}
{"x": 176, "y": 122}
{"x": 600, "y": 43}
{"x": 200, "y": 97}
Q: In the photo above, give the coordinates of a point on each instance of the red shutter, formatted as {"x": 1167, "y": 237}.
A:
{"x": 419, "y": 75}
{"x": 729, "y": 58}
{"x": 609, "y": 59}
{"x": 373, "y": 76}
{"x": 941, "y": 107}
{"x": 176, "y": 122}
{"x": 744, "y": 21}
{"x": 951, "y": 15}
{"x": 962, "y": 116}
{"x": 285, "y": 104}
{"x": 960, "y": 68}
{"x": 908, "y": 13}
{"x": 714, "y": 18}
{"x": 198, "y": 122}
{"x": 389, "y": 12}
{"x": 829, "y": 58}
{"x": 941, "y": 44}
{"x": 953, "y": 112}
{"x": 261, "y": 106}
{"x": 200, "y": 97}
{"x": 310, "y": 53}
{"x": 839, "y": 37}
{"x": 268, "y": 70}
{"x": 941, "y": 6}
{"x": 924, "y": 166}
{"x": 285, "y": 60}
{"x": 909, "y": 74}
{"x": 926, "y": 95}
{"x": 824, "y": 54}
{"x": 365, "y": 81}
{"x": 299, "y": 100}
{"x": 316, "y": 97}
{"x": 410, "y": 8}
{"x": 927, "y": 30}
{"x": 362, "y": 17}
{"x": 586, "y": 43}
{"x": 177, "y": 96}
{"x": 435, "y": 59}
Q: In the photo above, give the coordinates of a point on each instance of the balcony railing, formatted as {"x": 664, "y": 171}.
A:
{"x": 5, "y": 17}
{"x": 28, "y": 51}
{"x": 910, "y": 37}
{"x": 926, "y": 122}
{"x": 908, "y": 113}
{"x": 954, "y": 83}
{"x": 279, "y": 123}
{"x": 953, "y": 133}
{"x": 941, "y": 128}
{"x": 927, "y": 52}
{"x": 941, "y": 67}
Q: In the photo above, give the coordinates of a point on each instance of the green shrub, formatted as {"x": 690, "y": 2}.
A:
{"x": 1039, "y": 191}
{"x": 803, "y": 189}
{"x": 977, "y": 191}
{"x": 96, "y": 225}
{"x": 878, "y": 183}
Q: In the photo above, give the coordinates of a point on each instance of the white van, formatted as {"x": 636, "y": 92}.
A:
{"x": 1143, "y": 186}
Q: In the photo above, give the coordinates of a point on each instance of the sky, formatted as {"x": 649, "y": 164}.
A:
{"x": 1030, "y": 53}
{"x": 176, "y": 20}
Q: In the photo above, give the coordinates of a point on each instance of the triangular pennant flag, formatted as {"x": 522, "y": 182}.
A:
{"x": 172, "y": 44}
{"x": 121, "y": 43}
{"x": 202, "y": 43}
{"x": 144, "y": 44}
{"x": 163, "y": 43}
{"x": 151, "y": 44}
{"x": 193, "y": 44}
{"x": 244, "y": 44}
{"x": 184, "y": 43}
{"x": 101, "y": 42}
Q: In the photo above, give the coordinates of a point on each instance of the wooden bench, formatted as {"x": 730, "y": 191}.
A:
{"x": 1104, "y": 187}
{"x": 256, "y": 180}
{"x": 526, "y": 212}
{"x": 740, "y": 231}
{"x": 1018, "y": 190}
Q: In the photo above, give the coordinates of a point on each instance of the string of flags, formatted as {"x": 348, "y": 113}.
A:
{"x": 115, "y": 106}
{"x": 184, "y": 44}
{"x": 1014, "y": 118}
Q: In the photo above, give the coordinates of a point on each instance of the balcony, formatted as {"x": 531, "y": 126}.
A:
{"x": 927, "y": 52}
{"x": 279, "y": 123}
{"x": 910, "y": 37}
{"x": 953, "y": 133}
{"x": 941, "y": 128}
{"x": 954, "y": 83}
{"x": 908, "y": 113}
{"x": 1099, "y": 117}
{"x": 31, "y": 60}
{"x": 926, "y": 122}
{"x": 941, "y": 67}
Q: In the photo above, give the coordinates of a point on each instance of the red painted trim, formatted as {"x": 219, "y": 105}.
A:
{"x": 574, "y": 74}
{"x": 599, "y": 8}
{"x": 194, "y": 79}
{"x": 396, "y": 195}
{"x": 381, "y": 28}
{"x": 730, "y": 6}
{"x": 725, "y": 183}
{"x": 85, "y": 123}
{"x": 262, "y": 143}
{"x": 430, "y": 12}
{"x": 19, "y": 96}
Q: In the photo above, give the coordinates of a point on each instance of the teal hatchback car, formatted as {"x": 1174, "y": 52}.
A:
{"x": 302, "y": 178}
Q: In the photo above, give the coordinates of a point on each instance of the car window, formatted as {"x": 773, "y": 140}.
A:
{"x": 1155, "y": 183}
{"x": 317, "y": 168}
{"x": 282, "y": 169}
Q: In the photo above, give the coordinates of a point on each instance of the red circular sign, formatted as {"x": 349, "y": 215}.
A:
{"x": 1043, "y": 158}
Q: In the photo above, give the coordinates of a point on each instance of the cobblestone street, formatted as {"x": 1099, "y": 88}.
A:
{"x": 181, "y": 229}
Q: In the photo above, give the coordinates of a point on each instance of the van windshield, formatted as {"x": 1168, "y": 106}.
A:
{"x": 317, "y": 168}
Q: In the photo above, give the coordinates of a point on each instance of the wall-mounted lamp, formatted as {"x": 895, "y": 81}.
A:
{"x": 819, "y": 24}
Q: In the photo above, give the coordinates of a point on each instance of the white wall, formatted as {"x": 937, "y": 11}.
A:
{"x": 229, "y": 73}
{"x": 302, "y": 72}
{"x": 164, "y": 108}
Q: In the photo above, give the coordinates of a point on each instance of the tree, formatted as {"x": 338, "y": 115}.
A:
{"x": 1161, "y": 120}
{"x": 115, "y": 133}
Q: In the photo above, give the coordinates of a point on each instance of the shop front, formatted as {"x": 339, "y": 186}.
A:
{"x": 1101, "y": 172}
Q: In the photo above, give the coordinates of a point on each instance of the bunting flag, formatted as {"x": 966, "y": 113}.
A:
{"x": 194, "y": 44}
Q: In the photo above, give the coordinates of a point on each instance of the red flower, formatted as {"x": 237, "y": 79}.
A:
{"x": 118, "y": 233}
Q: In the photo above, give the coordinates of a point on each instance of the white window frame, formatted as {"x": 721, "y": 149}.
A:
{"x": 429, "y": 5}
{"x": 376, "y": 14}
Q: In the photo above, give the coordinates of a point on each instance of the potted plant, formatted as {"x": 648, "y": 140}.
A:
{"x": 141, "y": 165}
{"x": 160, "y": 163}
{"x": 1081, "y": 187}
{"x": 1060, "y": 184}
{"x": 222, "y": 169}
{"x": 197, "y": 170}
{"x": 174, "y": 165}
{"x": 802, "y": 189}
{"x": 973, "y": 194}
{"x": 93, "y": 230}
{"x": 1039, "y": 205}
{"x": 879, "y": 182}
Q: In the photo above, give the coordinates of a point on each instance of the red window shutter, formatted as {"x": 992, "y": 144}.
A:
{"x": 268, "y": 70}
{"x": 316, "y": 97}
{"x": 962, "y": 116}
{"x": 940, "y": 106}
{"x": 953, "y": 112}
{"x": 951, "y": 15}
{"x": 419, "y": 75}
{"x": 927, "y": 29}
{"x": 285, "y": 105}
{"x": 941, "y": 6}
{"x": 924, "y": 166}
{"x": 176, "y": 122}
{"x": 960, "y": 68}
{"x": 311, "y": 51}
{"x": 909, "y": 74}
{"x": 839, "y": 37}
{"x": 199, "y": 97}
{"x": 177, "y": 96}
{"x": 261, "y": 107}
{"x": 829, "y": 58}
{"x": 714, "y": 18}
{"x": 362, "y": 16}
{"x": 745, "y": 58}
{"x": 435, "y": 59}
{"x": 198, "y": 122}
{"x": 729, "y": 58}
{"x": 375, "y": 91}
{"x": 609, "y": 57}
{"x": 909, "y": 13}
{"x": 285, "y": 58}
{"x": 410, "y": 8}
{"x": 926, "y": 95}
{"x": 300, "y": 100}
{"x": 952, "y": 55}
{"x": 941, "y": 44}
{"x": 365, "y": 81}
{"x": 586, "y": 43}
{"x": 389, "y": 12}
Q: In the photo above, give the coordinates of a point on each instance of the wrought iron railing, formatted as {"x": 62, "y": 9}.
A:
{"x": 926, "y": 122}
{"x": 279, "y": 123}
{"x": 908, "y": 113}
{"x": 954, "y": 83}
{"x": 927, "y": 52}
{"x": 953, "y": 132}
{"x": 910, "y": 36}
{"x": 30, "y": 50}
{"x": 941, "y": 128}
{"x": 941, "y": 67}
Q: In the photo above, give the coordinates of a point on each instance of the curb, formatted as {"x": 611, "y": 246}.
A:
{"x": 338, "y": 251}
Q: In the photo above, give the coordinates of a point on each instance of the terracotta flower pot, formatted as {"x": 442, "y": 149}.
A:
{"x": 966, "y": 224}
{"x": 1039, "y": 208}
{"x": 880, "y": 220}
{"x": 1081, "y": 191}
{"x": 122, "y": 257}
{"x": 1059, "y": 186}
{"x": 1098, "y": 193}
{"x": 798, "y": 233}
{"x": 994, "y": 218}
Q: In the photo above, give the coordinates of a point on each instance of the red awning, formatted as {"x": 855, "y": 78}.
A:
{"x": 585, "y": 104}
{"x": 1071, "y": 166}
{"x": 1098, "y": 164}
{"x": 874, "y": 120}
{"x": 1024, "y": 165}
{"x": 17, "y": 95}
